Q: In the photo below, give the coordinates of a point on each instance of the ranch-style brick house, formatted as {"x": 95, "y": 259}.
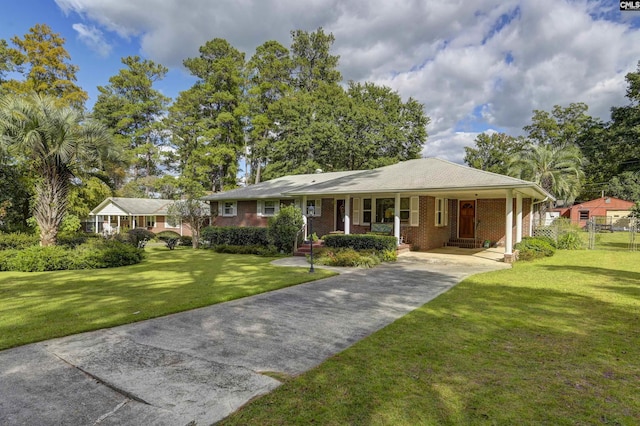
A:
{"x": 427, "y": 203}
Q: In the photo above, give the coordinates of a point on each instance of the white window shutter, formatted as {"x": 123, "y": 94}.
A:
{"x": 260, "y": 207}
{"x": 220, "y": 208}
{"x": 414, "y": 215}
{"x": 445, "y": 212}
{"x": 298, "y": 203}
{"x": 276, "y": 210}
{"x": 356, "y": 211}
{"x": 318, "y": 207}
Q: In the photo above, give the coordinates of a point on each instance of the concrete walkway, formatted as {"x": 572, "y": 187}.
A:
{"x": 202, "y": 365}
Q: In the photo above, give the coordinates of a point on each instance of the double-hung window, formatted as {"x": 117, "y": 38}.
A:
{"x": 229, "y": 208}
{"x": 366, "y": 211}
{"x": 442, "y": 212}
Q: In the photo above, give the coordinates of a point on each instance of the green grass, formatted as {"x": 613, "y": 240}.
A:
{"x": 551, "y": 342}
{"x": 42, "y": 305}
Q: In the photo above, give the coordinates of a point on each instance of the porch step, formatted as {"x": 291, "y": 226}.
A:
{"x": 304, "y": 248}
{"x": 471, "y": 243}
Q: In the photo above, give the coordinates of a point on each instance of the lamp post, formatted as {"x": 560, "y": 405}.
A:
{"x": 310, "y": 212}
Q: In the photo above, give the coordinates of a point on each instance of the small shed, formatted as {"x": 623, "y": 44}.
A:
{"x": 610, "y": 211}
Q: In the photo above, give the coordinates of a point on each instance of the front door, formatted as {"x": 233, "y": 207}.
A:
{"x": 467, "y": 219}
{"x": 339, "y": 215}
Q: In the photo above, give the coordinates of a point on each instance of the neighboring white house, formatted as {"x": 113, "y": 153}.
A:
{"x": 115, "y": 214}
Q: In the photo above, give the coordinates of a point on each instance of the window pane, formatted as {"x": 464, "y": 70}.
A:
{"x": 404, "y": 215}
{"x": 404, "y": 204}
{"x": 384, "y": 210}
{"x": 366, "y": 204}
{"x": 366, "y": 217}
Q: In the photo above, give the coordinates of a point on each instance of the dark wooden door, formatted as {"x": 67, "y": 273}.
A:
{"x": 339, "y": 215}
{"x": 467, "y": 219}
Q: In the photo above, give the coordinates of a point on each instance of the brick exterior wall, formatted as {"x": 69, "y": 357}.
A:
{"x": 490, "y": 214}
{"x": 324, "y": 224}
{"x": 427, "y": 235}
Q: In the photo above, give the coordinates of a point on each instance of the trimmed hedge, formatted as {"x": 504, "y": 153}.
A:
{"x": 361, "y": 242}
{"x": 534, "y": 248}
{"x": 136, "y": 235}
{"x": 92, "y": 255}
{"x": 167, "y": 235}
{"x": 17, "y": 241}
{"x": 234, "y": 236}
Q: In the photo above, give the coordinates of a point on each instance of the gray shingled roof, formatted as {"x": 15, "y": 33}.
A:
{"x": 419, "y": 175}
{"x": 414, "y": 175}
{"x": 276, "y": 188}
{"x": 137, "y": 206}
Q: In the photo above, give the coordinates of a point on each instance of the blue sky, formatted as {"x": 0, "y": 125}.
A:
{"x": 476, "y": 66}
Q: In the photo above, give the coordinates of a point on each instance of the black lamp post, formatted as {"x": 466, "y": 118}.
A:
{"x": 310, "y": 212}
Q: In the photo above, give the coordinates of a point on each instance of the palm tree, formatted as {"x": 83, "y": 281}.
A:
{"x": 557, "y": 170}
{"x": 58, "y": 142}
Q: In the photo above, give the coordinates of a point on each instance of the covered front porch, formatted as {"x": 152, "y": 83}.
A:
{"x": 429, "y": 220}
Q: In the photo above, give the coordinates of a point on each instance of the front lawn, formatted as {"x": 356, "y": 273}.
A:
{"x": 555, "y": 342}
{"x": 41, "y": 305}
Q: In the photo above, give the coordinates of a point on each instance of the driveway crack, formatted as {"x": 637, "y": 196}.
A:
{"x": 100, "y": 380}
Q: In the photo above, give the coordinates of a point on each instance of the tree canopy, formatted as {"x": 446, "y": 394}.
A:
{"x": 43, "y": 62}
{"x": 56, "y": 142}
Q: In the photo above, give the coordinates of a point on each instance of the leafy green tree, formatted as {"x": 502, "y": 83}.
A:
{"x": 85, "y": 194}
{"x": 269, "y": 74}
{"x": 626, "y": 186}
{"x": 41, "y": 58}
{"x": 56, "y": 142}
{"x": 207, "y": 121}
{"x": 624, "y": 129}
{"x": 284, "y": 227}
{"x": 561, "y": 127}
{"x": 194, "y": 213}
{"x": 493, "y": 152}
{"x": 557, "y": 170}
{"x": 6, "y": 61}
{"x": 132, "y": 108}
{"x": 312, "y": 58}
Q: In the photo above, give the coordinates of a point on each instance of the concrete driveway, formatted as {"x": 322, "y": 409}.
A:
{"x": 200, "y": 366}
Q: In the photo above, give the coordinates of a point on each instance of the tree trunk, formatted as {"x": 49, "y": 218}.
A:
{"x": 50, "y": 206}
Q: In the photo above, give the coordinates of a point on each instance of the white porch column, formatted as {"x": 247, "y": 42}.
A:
{"x": 518, "y": 217}
{"x": 347, "y": 214}
{"x": 508, "y": 235}
{"x": 118, "y": 223}
{"x": 396, "y": 218}
{"x": 96, "y": 230}
{"x": 531, "y": 219}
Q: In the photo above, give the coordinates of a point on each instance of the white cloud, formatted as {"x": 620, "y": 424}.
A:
{"x": 487, "y": 64}
{"x": 93, "y": 38}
